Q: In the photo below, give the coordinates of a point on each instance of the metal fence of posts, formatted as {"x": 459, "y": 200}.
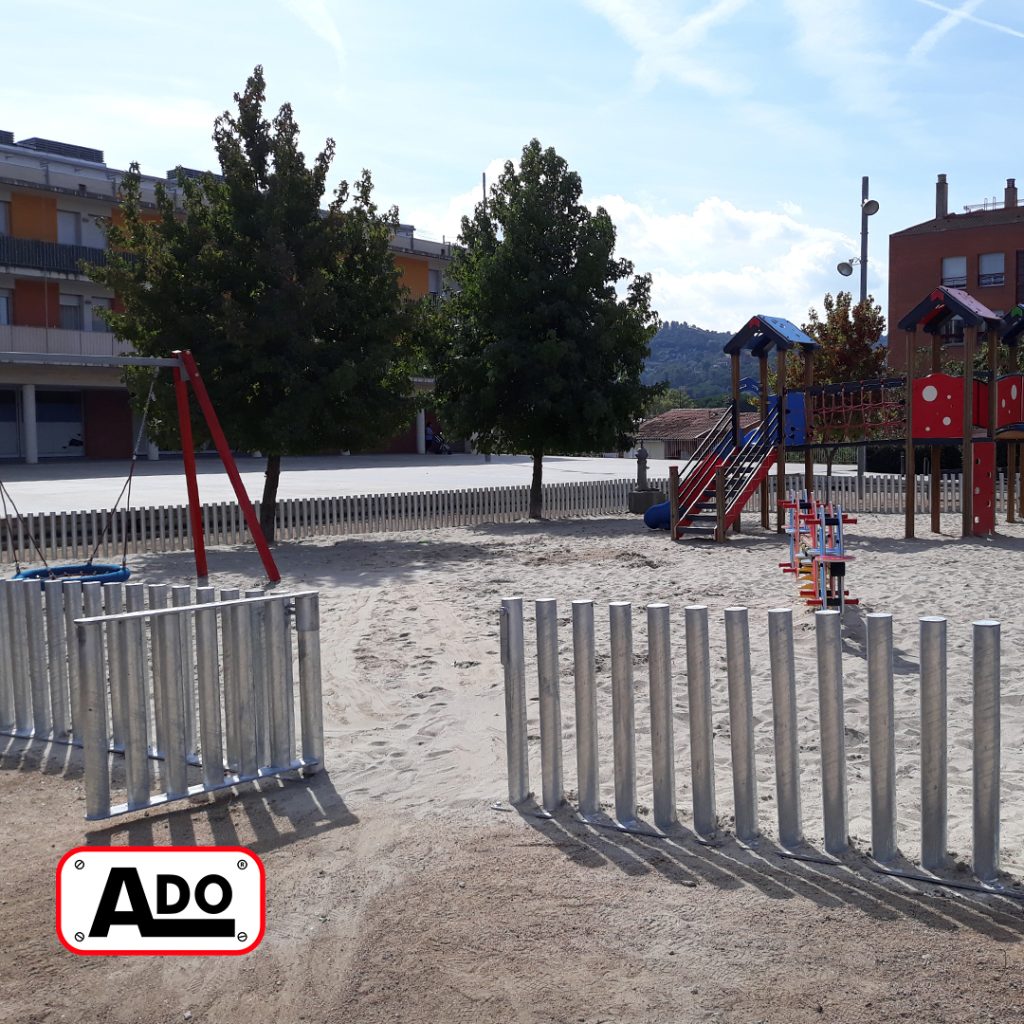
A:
{"x": 659, "y": 664}
{"x": 513, "y": 659}
{"x": 623, "y": 735}
{"x": 833, "y": 742}
{"x": 550, "y": 704}
{"x": 741, "y": 723}
{"x": 934, "y": 757}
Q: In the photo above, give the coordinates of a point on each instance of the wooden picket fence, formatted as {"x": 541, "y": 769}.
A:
{"x": 78, "y": 535}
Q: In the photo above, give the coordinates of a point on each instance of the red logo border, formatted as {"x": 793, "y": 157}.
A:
{"x": 166, "y": 849}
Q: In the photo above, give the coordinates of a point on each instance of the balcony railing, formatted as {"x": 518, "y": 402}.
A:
{"x": 989, "y": 280}
{"x": 53, "y": 257}
{"x": 55, "y": 341}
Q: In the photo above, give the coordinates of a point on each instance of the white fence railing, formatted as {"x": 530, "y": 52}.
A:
{"x": 201, "y": 684}
{"x": 76, "y": 535}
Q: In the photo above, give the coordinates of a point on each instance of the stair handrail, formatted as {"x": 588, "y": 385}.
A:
{"x": 712, "y": 439}
{"x": 752, "y": 452}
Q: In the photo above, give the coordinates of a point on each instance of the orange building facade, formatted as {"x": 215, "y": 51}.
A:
{"x": 54, "y": 201}
{"x": 980, "y": 250}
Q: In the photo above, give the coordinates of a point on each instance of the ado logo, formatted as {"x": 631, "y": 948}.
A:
{"x": 171, "y": 900}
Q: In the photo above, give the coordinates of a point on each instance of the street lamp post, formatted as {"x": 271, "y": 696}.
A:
{"x": 868, "y": 208}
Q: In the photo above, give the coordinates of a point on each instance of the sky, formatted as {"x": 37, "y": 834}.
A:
{"x": 726, "y": 138}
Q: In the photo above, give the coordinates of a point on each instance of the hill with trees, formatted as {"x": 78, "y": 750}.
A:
{"x": 691, "y": 359}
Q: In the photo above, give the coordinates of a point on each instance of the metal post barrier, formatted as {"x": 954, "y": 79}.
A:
{"x": 741, "y": 723}
{"x": 35, "y": 641}
{"x": 584, "y": 662}
{"x": 130, "y": 635}
{"x": 57, "y": 660}
{"x": 94, "y": 719}
{"x": 72, "y": 597}
{"x": 513, "y": 660}
{"x": 881, "y": 737}
{"x": 986, "y": 749}
{"x": 311, "y": 715}
{"x": 208, "y": 677}
{"x": 702, "y": 755}
{"x": 659, "y": 662}
{"x": 934, "y": 756}
{"x": 17, "y": 627}
{"x": 833, "y": 742}
{"x": 248, "y": 763}
{"x": 787, "y": 742}
{"x": 181, "y": 596}
{"x": 7, "y": 678}
{"x": 158, "y": 598}
{"x": 550, "y": 705}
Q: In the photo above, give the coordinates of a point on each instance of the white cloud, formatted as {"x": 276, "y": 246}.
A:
{"x": 669, "y": 44}
{"x": 719, "y": 264}
{"x": 966, "y": 13}
{"x": 925, "y": 44}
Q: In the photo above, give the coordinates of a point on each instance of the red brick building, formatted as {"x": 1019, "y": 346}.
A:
{"x": 980, "y": 250}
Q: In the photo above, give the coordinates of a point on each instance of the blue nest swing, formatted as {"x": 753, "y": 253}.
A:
{"x": 86, "y": 572}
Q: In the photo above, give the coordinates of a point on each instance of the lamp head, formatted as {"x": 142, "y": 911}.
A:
{"x": 845, "y": 268}
{"x": 869, "y": 207}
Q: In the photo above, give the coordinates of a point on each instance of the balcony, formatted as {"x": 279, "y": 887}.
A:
{"x": 55, "y": 341}
{"x": 49, "y": 257}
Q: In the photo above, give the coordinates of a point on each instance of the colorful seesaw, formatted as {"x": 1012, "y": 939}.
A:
{"x": 817, "y": 551}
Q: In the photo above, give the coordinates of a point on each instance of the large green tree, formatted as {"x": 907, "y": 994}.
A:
{"x": 540, "y": 352}
{"x": 295, "y": 313}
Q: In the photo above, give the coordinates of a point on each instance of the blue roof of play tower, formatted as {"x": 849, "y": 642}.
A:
{"x": 761, "y": 334}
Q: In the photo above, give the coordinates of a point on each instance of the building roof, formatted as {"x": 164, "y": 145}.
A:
{"x": 688, "y": 424}
{"x": 1013, "y": 215}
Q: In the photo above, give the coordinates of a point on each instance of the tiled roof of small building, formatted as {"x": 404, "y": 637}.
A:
{"x": 686, "y": 424}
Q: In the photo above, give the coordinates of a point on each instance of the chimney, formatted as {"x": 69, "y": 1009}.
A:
{"x": 1010, "y": 195}
{"x": 941, "y": 198}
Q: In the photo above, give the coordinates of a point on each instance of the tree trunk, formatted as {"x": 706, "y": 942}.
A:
{"x": 536, "y": 495}
{"x": 268, "y": 503}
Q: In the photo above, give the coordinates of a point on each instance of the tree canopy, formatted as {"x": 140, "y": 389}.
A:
{"x": 295, "y": 314}
{"x": 540, "y": 351}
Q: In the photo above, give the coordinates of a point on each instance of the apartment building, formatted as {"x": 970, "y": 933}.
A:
{"x": 54, "y": 200}
{"x": 980, "y": 250}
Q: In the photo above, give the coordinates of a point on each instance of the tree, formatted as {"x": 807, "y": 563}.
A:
{"x": 295, "y": 314}
{"x": 540, "y": 351}
{"x": 849, "y": 351}
{"x": 671, "y": 398}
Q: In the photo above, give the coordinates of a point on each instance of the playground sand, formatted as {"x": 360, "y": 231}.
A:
{"x": 396, "y": 892}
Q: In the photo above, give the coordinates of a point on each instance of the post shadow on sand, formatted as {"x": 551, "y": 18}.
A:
{"x": 683, "y": 858}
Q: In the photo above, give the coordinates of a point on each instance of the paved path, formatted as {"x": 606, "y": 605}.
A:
{"x": 65, "y": 486}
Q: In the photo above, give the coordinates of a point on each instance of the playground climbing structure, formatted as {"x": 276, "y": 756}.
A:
{"x": 817, "y": 551}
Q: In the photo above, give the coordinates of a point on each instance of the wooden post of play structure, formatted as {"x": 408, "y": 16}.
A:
{"x": 673, "y": 502}
{"x": 808, "y": 384}
{"x": 780, "y": 461}
{"x": 910, "y": 479}
{"x": 967, "y": 474}
{"x": 762, "y": 409}
{"x": 736, "y": 432}
{"x": 935, "y": 452}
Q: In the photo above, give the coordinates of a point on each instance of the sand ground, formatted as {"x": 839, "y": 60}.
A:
{"x": 396, "y": 892}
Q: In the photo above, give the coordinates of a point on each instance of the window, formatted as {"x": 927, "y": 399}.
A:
{"x": 71, "y": 312}
{"x": 69, "y": 227}
{"x": 5, "y": 217}
{"x": 991, "y": 269}
{"x": 434, "y": 282}
{"x": 954, "y": 271}
{"x": 98, "y": 323}
{"x": 5, "y": 306}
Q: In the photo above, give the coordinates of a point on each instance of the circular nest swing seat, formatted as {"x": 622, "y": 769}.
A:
{"x": 85, "y": 572}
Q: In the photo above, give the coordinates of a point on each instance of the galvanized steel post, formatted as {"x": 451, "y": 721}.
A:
{"x": 278, "y": 678}
{"x": 934, "y": 754}
{"x": 22, "y": 688}
{"x": 158, "y": 594}
{"x": 131, "y": 636}
{"x": 623, "y": 721}
{"x": 881, "y": 737}
{"x": 167, "y": 671}
{"x": 248, "y": 763}
{"x": 311, "y": 713}
{"x": 7, "y": 715}
{"x": 113, "y": 604}
{"x": 513, "y": 660}
{"x": 57, "y": 659}
{"x": 741, "y": 723}
{"x": 702, "y": 754}
{"x": 550, "y": 704}
{"x": 659, "y": 663}
{"x": 72, "y": 591}
{"x": 787, "y": 743}
{"x": 833, "y": 740}
{"x": 181, "y": 596}
{"x": 35, "y": 643}
{"x": 94, "y": 714}
{"x": 584, "y": 661}
{"x": 208, "y": 677}
{"x": 264, "y": 676}
{"x": 230, "y": 645}
{"x": 986, "y": 749}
